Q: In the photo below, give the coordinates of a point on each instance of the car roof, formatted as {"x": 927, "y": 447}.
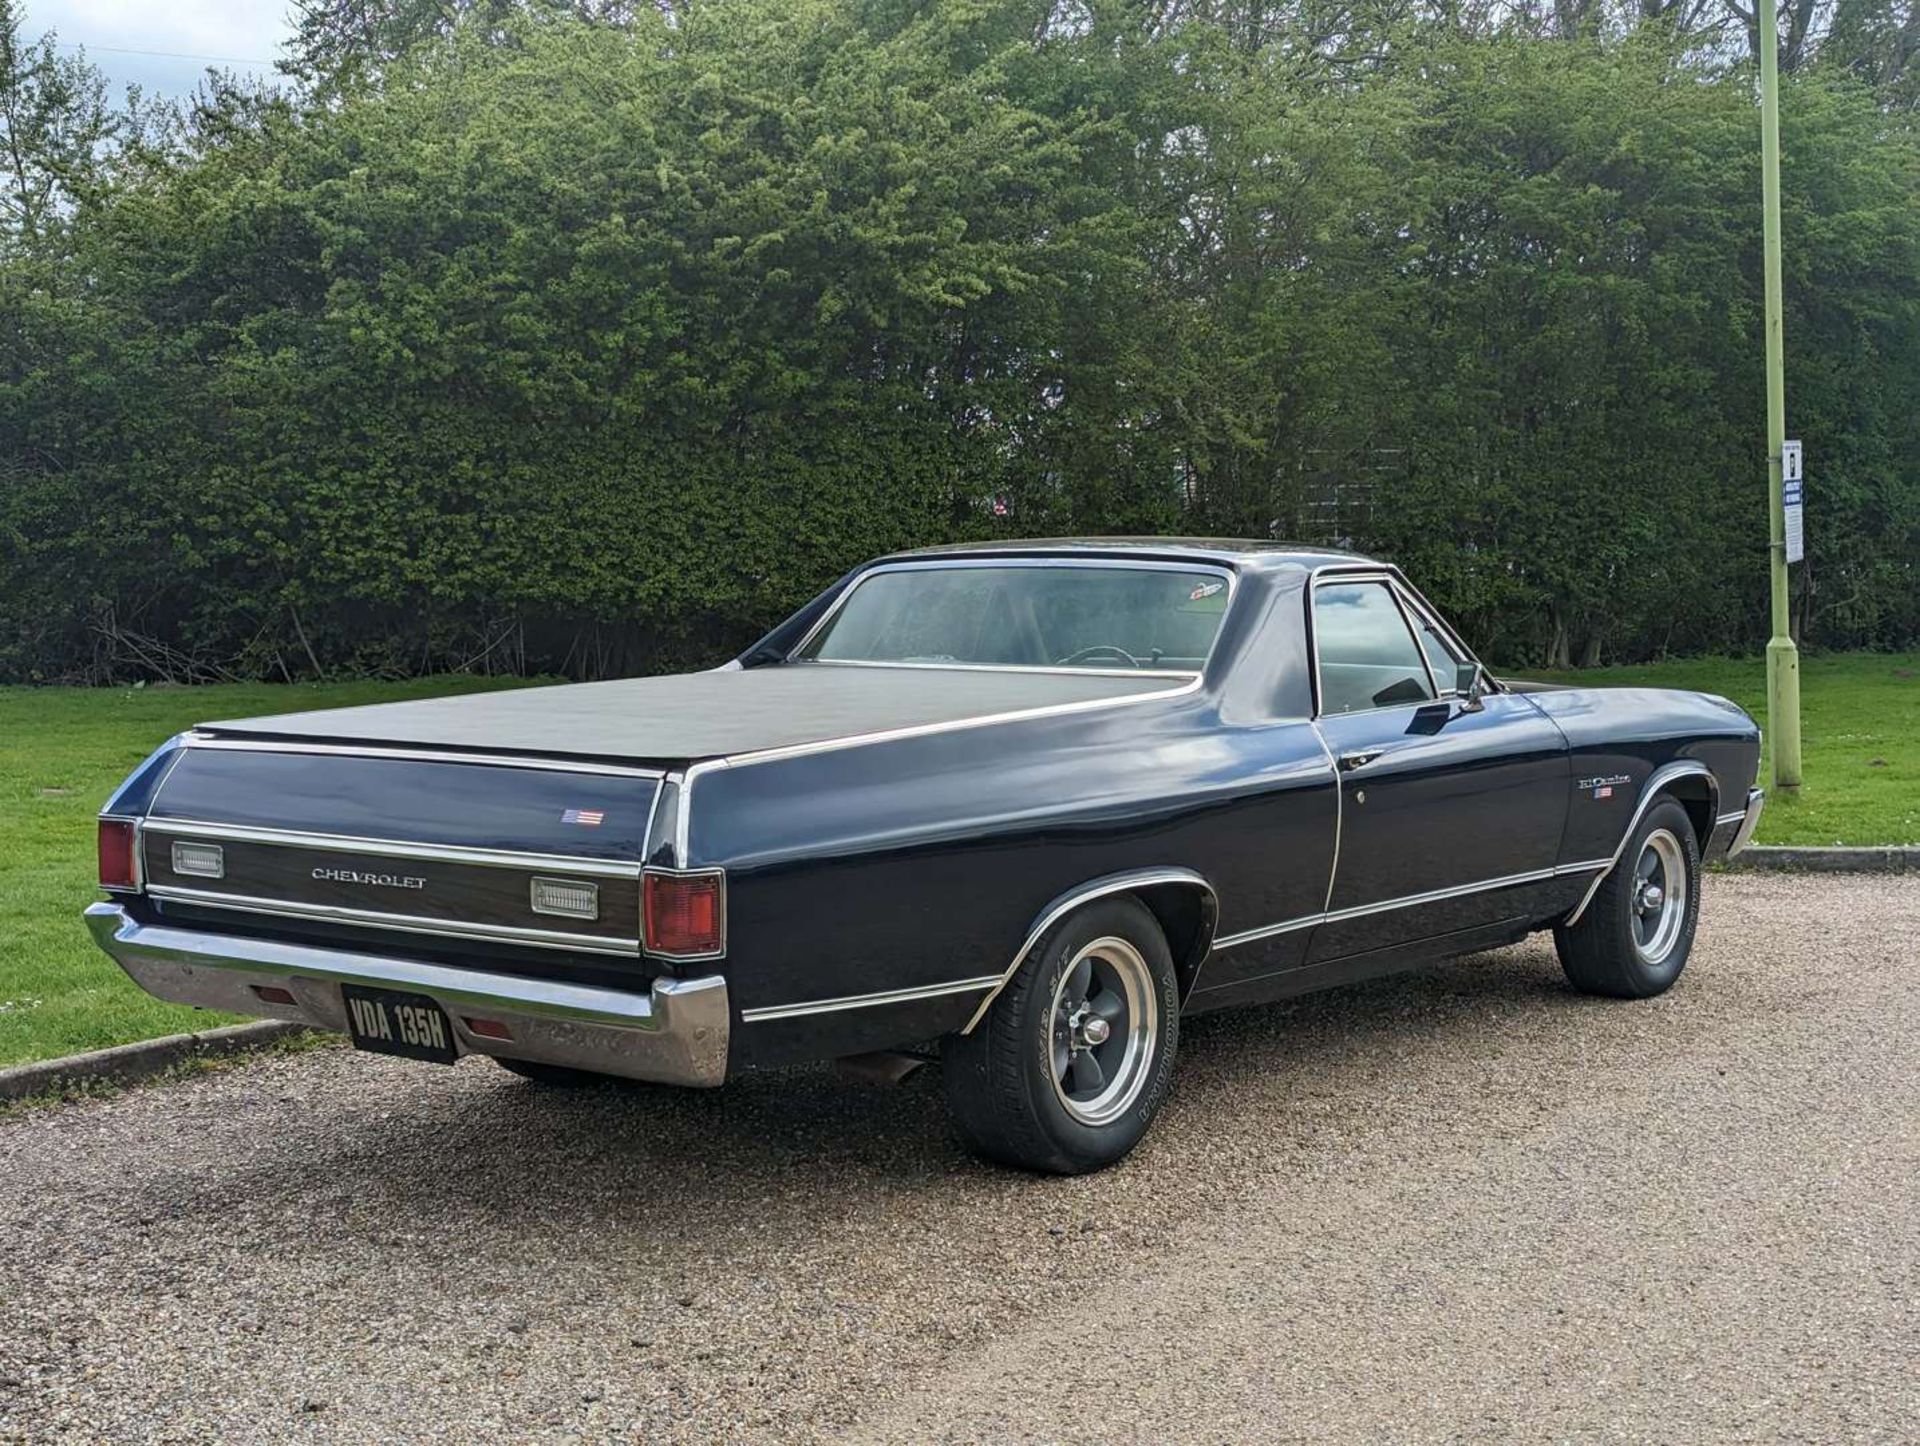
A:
{"x": 1227, "y": 551}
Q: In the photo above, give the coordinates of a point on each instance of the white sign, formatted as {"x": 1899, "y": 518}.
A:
{"x": 1792, "y": 485}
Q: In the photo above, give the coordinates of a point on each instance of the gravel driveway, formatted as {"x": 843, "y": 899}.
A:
{"x": 1467, "y": 1203}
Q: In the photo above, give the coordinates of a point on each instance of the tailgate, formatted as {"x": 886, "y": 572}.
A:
{"x": 536, "y": 854}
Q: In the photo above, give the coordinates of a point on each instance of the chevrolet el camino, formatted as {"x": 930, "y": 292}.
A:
{"x": 1034, "y": 802}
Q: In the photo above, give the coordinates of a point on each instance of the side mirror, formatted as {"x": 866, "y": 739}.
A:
{"x": 1470, "y": 683}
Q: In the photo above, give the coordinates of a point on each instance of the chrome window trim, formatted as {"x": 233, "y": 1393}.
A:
{"x": 1051, "y": 672}
{"x": 768, "y": 1013}
{"x": 1401, "y": 601}
{"x": 1650, "y": 790}
{"x": 1417, "y": 613}
{"x": 405, "y": 923}
{"x": 1412, "y": 597}
{"x": 1407, "y": 593}
{"x": 952, "y": 563}
{"x": 1432, "y": 896}
{"x": 1335, "y": 579}
{"x": 1085, "y": 894}
{"x": 523, "y": 762}
{"x": 684, "y": 873}
{"x": 393, "y": 848}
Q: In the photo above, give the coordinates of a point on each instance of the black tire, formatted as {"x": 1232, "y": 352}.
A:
{"x": 558, "y": 1076}
{"x": 1010, "y": 1097}
{"x": 1625, "y": 946}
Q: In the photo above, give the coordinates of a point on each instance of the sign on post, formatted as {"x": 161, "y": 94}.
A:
{"x": 1792, "y": 485}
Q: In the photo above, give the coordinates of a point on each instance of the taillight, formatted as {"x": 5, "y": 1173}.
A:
{"x": 119, "y": 868}
{"x": 684, "y": 916}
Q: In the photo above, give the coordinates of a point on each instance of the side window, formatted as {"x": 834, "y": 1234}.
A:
{"x": 1367, "y": 656}
{"x": 1444, "y": 661}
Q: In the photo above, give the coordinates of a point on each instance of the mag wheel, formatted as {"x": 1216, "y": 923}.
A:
{"x": 1073, "y": 1060}
{"x": 1637, "y": 932}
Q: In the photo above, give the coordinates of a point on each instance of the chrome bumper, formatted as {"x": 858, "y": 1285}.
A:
{"x": 674, "y": 1034}
{"x": 1743, "y": 835}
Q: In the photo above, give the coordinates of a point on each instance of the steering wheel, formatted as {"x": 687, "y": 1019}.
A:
{"x": 1098, "y": 650}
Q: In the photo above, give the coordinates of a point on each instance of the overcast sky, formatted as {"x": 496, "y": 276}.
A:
{"x": 241, "y": 35}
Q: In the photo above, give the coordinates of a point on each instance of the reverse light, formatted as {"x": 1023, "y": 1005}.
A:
{"x": 684, "y": 916}
{"x": 569, "y": 898}
{"x": 199, "y": 860}
{"x": 119, "y": 861}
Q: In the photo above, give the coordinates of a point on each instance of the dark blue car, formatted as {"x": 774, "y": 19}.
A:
{"x": 1028, "y": 803}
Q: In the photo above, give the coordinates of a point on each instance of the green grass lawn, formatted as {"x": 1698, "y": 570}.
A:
{"x": 63, "y": 750}
{"x": 1859, "y": 739}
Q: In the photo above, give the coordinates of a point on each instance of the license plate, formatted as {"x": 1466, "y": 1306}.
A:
{"x": 388, "y": 1021}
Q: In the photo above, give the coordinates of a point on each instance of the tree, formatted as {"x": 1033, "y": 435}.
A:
{"x": 55, "y": 128}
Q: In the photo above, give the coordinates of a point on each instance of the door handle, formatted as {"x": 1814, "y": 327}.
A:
{"x": 1359, "y": 758}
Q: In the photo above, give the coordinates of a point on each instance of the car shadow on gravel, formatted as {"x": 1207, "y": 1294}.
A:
{"x": 473, "y": 1143}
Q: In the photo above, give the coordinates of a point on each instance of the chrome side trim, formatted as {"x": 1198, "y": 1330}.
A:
{"x": 197, "y": 739}
{"x": 1066, "y": 903}
{"x": 674, "y": 1031}
{"x": 865, "y": 1001}
{"x": 1266, "y": 931}
{"x": 1408, "y": 901}
{"x": 393, "y": 848}
{"x": 1756, "y": 800}
{"x": 1657, "y": 780}
{"x": 406, "y": 923}
{"x": 952, "y": 725}
{"x": 1727, "y": 818}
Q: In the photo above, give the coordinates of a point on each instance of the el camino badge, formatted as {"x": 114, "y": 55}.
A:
{"x": 1602, "y": 787}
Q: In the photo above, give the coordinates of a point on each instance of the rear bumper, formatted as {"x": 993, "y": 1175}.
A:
{"x": 676, "y": 1033}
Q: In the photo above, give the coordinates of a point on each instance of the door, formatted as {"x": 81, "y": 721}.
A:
{"x": 1450, "y": 813}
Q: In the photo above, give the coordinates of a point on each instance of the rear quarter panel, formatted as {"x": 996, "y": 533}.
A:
{"x": 921, "y": 861}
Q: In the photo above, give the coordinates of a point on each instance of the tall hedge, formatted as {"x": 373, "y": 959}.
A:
{"x": 571, "y": 346}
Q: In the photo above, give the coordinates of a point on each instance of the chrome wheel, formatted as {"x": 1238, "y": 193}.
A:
{"x": 1104, "y": 1029}
{"x": 1659, "y": 897}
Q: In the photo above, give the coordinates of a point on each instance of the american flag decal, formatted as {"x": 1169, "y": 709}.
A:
{"x": 586, "y": 817}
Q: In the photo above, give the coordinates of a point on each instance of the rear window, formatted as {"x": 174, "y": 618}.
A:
{"x": 1013, "y": 616}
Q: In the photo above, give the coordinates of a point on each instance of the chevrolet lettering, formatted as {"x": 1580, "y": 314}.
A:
{"x": 384, "y": 881}
{"x": 1017, "y": 808}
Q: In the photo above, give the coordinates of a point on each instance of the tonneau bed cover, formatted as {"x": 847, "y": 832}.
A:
{"x": 694, "y": 715}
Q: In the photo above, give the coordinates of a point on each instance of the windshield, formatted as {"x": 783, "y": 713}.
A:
{"x": 1013, "y": 616}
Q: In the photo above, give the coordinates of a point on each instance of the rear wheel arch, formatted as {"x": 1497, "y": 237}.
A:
{"x": 1187, "y": 913}
{"x": 1181, "y": 901}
